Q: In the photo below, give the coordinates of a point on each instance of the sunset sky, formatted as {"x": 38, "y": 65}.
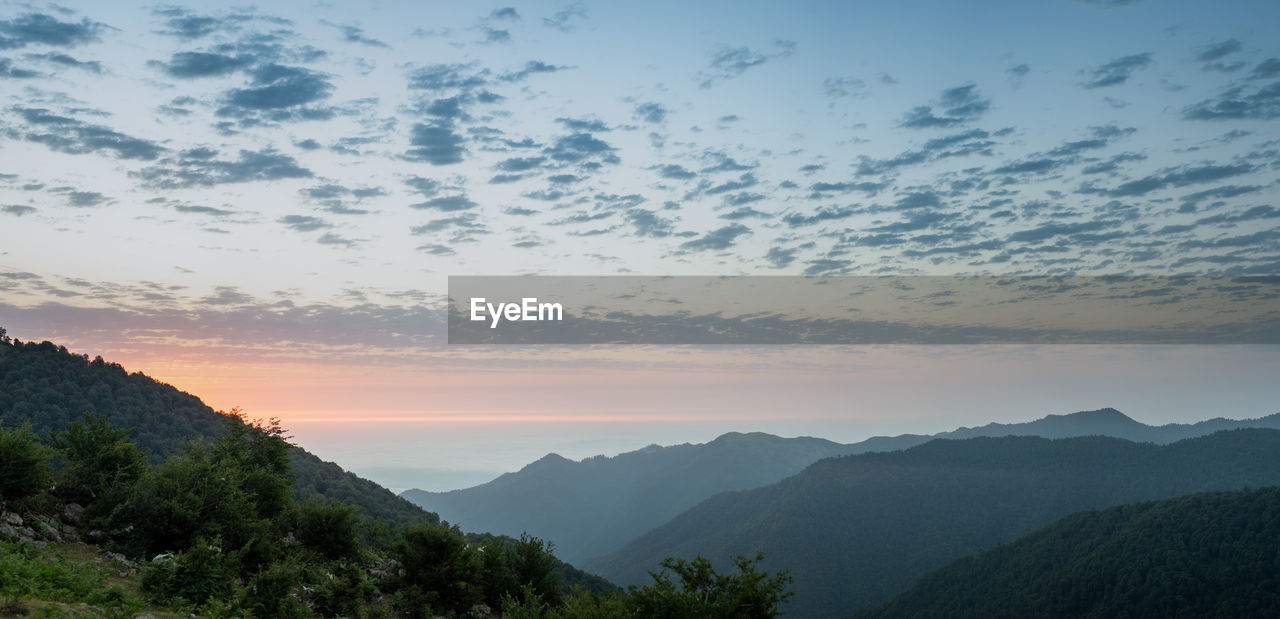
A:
{"x": 261, "y": 205}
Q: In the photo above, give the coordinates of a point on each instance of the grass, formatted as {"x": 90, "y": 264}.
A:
{"x": 67, "y": 580}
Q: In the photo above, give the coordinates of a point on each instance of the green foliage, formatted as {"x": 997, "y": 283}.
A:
{"x": 328, "y": 528}
{"x": 45, "y": 385}
{"x": 702, "y": 592}
{"x": 441, "y": 571}
{"x": 99, "y": 462}
{"x": 192, "y": 577}
{"x": 1203, "y": 555}
{"x": 46, "y": 573}
{"x": 188, "y": 497}
{"x": 275, "y": 591}
{"x": 25, "y": 469}
{"x": 532, "y": 567}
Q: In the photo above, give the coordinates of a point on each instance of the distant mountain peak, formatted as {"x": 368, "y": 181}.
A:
{"x": 551, "y": 460}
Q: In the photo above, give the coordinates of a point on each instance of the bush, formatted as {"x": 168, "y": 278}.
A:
{"x": 24, "y": 464}
{"x": 100, "y": 464}
{"x": 193, "y": 577}
{"x": 328, "y": 528}
{"x": 440, "y": 571}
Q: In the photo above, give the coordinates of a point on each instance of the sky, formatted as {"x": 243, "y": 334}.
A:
{"x": 261, "y": 204}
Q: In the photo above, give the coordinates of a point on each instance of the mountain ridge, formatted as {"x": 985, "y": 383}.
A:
{"x": 856, "y": 530}
{"x": 572, "y": 503}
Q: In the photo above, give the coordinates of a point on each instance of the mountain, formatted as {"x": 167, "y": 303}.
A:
{"x": 593, "y": 507}
{"x": 857, "y": 530}
{"x": 47, "y": 386}
{"x": 1102, "y": 422}
{"x": 590, "y": 507}
{"x": 1203, "y": 555}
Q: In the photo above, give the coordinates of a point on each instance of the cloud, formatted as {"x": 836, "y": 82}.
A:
{"x": 447, "y": 204}
{"x": 581, "y": 148}
{"x": 443, "y": 76}
{"x": 675, "y": 171}
{"x": 189, "y": 65}
{"x": 718, "y": 239}
{"x": 330, "y": 238}
{"x": 41, "y": 29}
{"x": 279, "y": 93}
{"x": 202, "y": 210}
{"x": 648, "y": 224}
{"x": 746, "y": 180}
{"x": 64, "y": 60}
{"x": 200, "y": 167}
{"x": 844, "y": 87}
{"x": 565, "y": 20}
{"x": 780, "y": 258}
{"x": 796, "y": 220}
{"x": 745, "y": 212}
{"x": 355, "y": 34}
{"x": 69, "y": 135}
{"x": 1238, "y": 103}
{"x": 304, "y": 223}
{"x": 520, "y": 164}
{"x": 11, "y": 71}
{"x": 957, "y": 105}
{"x": 1212, "y": 55}
{"x": 1187, "y": 175}
{"x": 188, "y": 25}
{"x": 1017, "y": 72}
{"x": 532, "y": 67}
{"x": 1116, "y": 72}
{"x": 1050, "y": 230}
{"x": 651, "y": 112}
{"x": 85, "y": 199}
{"x": 436, "y": 144}
{"x": 17, "y": 210}
{"x": 730, "y": 62}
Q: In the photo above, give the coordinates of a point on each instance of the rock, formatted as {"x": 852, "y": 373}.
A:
{"x": 13, "y": 519}
{"x": 72, "y": 513}
{"x": 163, "y": 557}
{"x": 48, "y": 531}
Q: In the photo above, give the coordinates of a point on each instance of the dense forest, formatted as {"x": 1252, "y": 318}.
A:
{"x": 48, "y": 387}
{"x": 857, "y": 530}
{"x": 1203, "y": 555}
{"x": 216, "y": 522}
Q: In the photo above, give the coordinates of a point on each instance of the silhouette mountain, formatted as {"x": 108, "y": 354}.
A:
{"x": 593, "y": 507}
{"x": 857, "y": 530}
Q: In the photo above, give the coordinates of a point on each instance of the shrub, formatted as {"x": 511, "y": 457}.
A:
{"x": 328, "y": 528}
{"x": 24, "y": 464}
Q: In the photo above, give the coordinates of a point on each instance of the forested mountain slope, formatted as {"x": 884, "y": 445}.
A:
{"x": 857, "y": 530}
{"x": 1202, "y": 555}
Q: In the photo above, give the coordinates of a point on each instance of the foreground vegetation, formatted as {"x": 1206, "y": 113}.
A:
{"x": 92, "y": 523}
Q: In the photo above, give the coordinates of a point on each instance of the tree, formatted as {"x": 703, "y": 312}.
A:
{"x": 532, "y": 564}
{"x": 329, "y": 528}
{"x": 702, "y": 592}
{"x": 99, "y": 461}
{"x": 25, "y": 469}
{"x": 441, "y": 572}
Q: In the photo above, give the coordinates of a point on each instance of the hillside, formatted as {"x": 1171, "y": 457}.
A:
{"x": 49, "y": 387}
{"x": 1204, "y": 555}
{"x": 857, "y": 530}
{"x": 593, "y": 507}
